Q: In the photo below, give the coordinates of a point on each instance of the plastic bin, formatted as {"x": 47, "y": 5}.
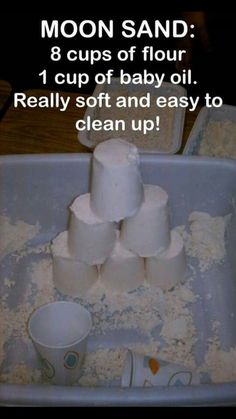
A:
{"x": 40, "y": 188}
{"x": 226, "y": 112}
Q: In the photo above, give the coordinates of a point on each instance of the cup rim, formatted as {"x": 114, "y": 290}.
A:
{"x": 127, "y": 373}
{"x": 68, "y": 345}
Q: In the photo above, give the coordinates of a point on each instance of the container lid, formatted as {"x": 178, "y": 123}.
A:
{"x": 165, "y": 140}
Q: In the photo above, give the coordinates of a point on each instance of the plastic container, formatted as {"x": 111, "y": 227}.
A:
{"x": 225, "y": 112}
{"x": 166, "y": 90}
{"x": 192, "y": 184}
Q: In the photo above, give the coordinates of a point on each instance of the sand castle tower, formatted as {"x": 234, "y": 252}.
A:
{"x": 119, "y": 233}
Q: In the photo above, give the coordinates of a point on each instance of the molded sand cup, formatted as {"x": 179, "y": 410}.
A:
{"x": 168, "y": 268}
{"x": 70, "y": 276}
{"x": 59, "y": 332}
{"x": 147, "y": 233}
{"x": 146, "y": 371}
{"x": 123, "y": 271}
{"x": 90, "y": 239}
{"x": 116, "y": 188}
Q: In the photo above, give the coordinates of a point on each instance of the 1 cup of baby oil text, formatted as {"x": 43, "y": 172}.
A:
{"x": 59, "y": 332}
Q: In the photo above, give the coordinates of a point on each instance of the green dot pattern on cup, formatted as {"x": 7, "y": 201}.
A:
{"x": 48, "y": 368}
{"x": 71, "y": 360}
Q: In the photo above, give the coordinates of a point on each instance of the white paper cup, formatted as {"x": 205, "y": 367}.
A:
{"x": 59, "y": 331}
{"x": 116, "y": 188}
{"x": 146, "y": 371}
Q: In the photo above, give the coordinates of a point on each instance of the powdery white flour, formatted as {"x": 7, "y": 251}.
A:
{"x": 164, "y": 321}
{"x": 206, "y": 238}
{"x": 219, "y": 139}
{"x": 15, "y": 236}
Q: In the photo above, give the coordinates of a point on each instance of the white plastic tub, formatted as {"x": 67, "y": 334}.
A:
{"x": 42, "y": 188}
{"x": 225, "y": 112}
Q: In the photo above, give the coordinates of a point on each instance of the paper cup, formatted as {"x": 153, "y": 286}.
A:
{"x": 59, "y": 332}
{"x": 116, "y": 188}
{"x": 146, "y": 371}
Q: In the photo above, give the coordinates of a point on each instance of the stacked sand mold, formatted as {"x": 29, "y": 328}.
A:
{"x": 145, "y": 246}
